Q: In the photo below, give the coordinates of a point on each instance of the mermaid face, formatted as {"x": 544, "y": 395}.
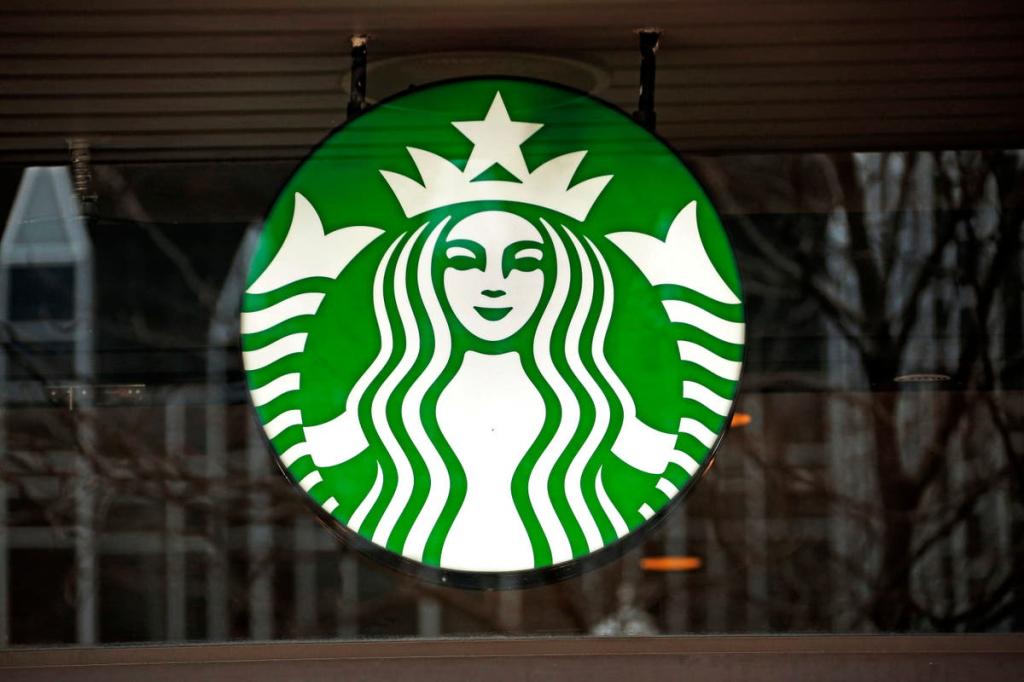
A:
{"x": 492, "y": 276}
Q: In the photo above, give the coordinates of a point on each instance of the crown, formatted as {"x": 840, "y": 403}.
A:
{"x": 496, "y": 140}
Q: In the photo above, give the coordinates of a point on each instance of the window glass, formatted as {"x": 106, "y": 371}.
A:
{"x": 871, "y": 480}
{"x": 42, "y": 292}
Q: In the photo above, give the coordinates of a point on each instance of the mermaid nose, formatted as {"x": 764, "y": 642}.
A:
{"x": 493, "y": 293}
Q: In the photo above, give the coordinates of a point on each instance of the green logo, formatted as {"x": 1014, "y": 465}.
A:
{"x": 492, "y": 325}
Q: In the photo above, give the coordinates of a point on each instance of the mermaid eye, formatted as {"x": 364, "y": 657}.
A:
{"x": 527, "y": 264}
{"x": 523, "y": 256}
{"x": 464, "y": 257}
{"x": 456, "y": 251}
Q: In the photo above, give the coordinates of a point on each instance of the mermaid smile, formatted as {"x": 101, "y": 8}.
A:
{"x": 492, "y": 314}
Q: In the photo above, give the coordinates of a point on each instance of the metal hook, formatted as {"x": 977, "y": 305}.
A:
{"x": 357, "y": 88}
{"x": 649, "y": 39}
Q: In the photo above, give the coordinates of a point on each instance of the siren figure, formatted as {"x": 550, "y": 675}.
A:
{"x": 490, "y": 410}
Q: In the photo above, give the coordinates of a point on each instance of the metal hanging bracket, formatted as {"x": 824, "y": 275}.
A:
{"x": 357, "y": 88}
{"x": 649, "y": 39}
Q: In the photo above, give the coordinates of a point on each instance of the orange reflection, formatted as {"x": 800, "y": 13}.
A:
{"x": 671, "y": 563}
{"x": 739, "y": 419}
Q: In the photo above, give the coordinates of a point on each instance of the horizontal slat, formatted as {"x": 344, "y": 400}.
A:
{"x": 866, "y": 70}
{"x": 695, "y": 12}
{"x": 836, "y": 91}
{"x": 294, "y": 153}
{"x": 98, "y": 86}
{"x": 242, "y": 104}
{"x": 981, "y": 96}
{"x": 752, "y": 135}
{"x": 33, "y": 66}
{"x": 307, "y": 132}
{"x": 713, "y": 28}
{"x": 843, "y": 128}
{"x": 672, "y": 69}
{"x": 961, "y": 79}
{"x": 681, "y": 54}
{"x": 1000, "y": 39}
{"x": 135, "y": 125}
{"x": 819, "y": 112}
{"x": 848, "y": 9}
{"x": 164, "y": 140}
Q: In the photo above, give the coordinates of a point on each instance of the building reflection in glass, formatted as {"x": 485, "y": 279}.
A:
{"x": 876, "y": 487}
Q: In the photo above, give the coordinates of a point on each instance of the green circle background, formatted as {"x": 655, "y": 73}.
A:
{"x": 341, "y": 179}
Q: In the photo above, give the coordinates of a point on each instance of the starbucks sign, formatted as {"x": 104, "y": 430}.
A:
{"x": 492, "y": 326}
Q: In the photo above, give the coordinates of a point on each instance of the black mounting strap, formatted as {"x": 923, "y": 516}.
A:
{"x": 357, "y": 88}
{"x": 644, "y": 115}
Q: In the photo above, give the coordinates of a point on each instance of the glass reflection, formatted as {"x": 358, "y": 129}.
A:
{"x": 876, "y": 485}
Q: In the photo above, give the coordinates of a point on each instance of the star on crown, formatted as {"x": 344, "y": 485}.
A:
{"x": 497, "y": 140}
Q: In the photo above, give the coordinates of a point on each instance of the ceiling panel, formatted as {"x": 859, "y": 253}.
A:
{"x": 224, "y": 79}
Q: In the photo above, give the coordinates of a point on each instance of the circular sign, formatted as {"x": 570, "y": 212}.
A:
{"x": 492, "y": 326}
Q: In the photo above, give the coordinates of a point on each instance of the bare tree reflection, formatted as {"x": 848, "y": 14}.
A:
{"x": 858, "y": 499}
{"x": 915, "y": 270}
